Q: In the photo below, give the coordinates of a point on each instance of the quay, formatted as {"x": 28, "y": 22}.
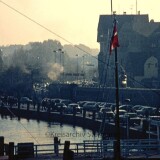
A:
{"x": 132, "y": 148}
{"x": 83, "y": 120}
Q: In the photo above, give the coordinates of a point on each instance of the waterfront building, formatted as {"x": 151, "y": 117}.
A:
{"x": 138, "y": 54}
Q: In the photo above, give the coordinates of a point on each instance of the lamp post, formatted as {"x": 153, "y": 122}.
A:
{"x": 83, "y": 69}
{"x": 60, "y": 52}
{"x": 60, "y": 58}
{"x": 127, "y": 117}
{"x": 77, "y": 67}
{"x": 63, "y": 64}
{"x": 55, "y": 52}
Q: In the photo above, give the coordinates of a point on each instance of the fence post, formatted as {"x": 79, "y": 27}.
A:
{"x": 38, "y": 107}
{"x": 93, "y": 115}
{"x": 84, "y": 146}
{"x": 1, "y": 146}
{"x": 19, "y": 103}
{"x": 66, "y": 149}
{"x": 36, "y": 151}
{"x": 11, "y": 150}
{"x": 84, "y": 113}
{"x": 56, "y": 143}
{"x": 74, "y": 111}
{"x": 61, "y": 110}
{"x": 28, "y": 106}
{"x": 67, "y": 154}
{"x": 77, "y": 149}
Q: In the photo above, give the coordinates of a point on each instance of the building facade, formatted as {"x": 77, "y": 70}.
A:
{"x": 138, "y": 54}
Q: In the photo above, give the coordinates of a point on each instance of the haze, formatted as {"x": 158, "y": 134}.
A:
{"x": 74, "y": 20}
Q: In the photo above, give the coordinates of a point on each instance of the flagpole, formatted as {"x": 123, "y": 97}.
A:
{"x": 113, "y": 45}
{"x": 111, "y": 8}
{"x": 117, "y": 120}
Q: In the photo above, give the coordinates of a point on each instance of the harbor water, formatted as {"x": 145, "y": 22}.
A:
{"x": 41, "y": 132}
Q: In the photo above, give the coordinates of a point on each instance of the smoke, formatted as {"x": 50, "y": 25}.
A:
{"x": 55, "y": 71}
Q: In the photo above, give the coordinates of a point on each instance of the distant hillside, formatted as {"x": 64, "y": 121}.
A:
{"x": 85, "y": 53}
{"x": 80, "y": 49}
{"x": 90, "y": 55}
{"x": 71, "y": 50}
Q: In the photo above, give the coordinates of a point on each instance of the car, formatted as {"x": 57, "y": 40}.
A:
{"x": 121, "y": 112}
{"x": 60, "y": 107}
{"x": 146, "y": 111}
{"x": 133, "y": 118}
{"x": 90, "y": 106}
{"x": 128, "y": 108}
{"x": 12, "y": 100}
{"x": 107, "y": 112}
{"x": 81, "y": 103}
{"x": 121, "y": 115}
{"x": 25, "y": 100}
{"x": 45, "y": 103}
{"x": 157, "y": 118}
{"x": 65, "y": 101}
{"x": 136, "y": 107}
{"x": 70, "y": 108}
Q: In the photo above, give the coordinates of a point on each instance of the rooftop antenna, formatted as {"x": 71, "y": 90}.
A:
{"x": 111, "y": 8}
{"x": 136, "y": 6}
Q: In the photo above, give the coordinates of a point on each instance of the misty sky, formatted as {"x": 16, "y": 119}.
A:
{"x": 74, "y": 20}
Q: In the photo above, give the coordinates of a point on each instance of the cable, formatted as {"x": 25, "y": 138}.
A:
{"x": 27, "y": 130}
{"x": 14, "y": 116}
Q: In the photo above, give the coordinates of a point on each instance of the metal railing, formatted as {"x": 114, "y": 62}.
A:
{"x": 97, "y": 148}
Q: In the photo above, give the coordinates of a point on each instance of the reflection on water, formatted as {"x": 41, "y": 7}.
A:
{"x": 40, "y": 132}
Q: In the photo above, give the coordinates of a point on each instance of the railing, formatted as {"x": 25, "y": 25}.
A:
{"x": 139, "y": 148}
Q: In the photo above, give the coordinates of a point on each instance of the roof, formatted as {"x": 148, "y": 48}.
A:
{"x": 137, "y": 23}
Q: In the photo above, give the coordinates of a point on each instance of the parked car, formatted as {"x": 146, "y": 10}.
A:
{"x": 105, "y": 112}
{"x": 90, "y": 106}
{"x": 45, "y": 103}
{"x": 136, "y": 107}
{"x": 146, "y": 111}
{"x": 121, "y": 115}
{"x": 128, "y": 108}
{"x": 70, "y": 108}
{"x": 11, "y": 100}
{"x": 81, "y": 103}
{"x": 121, "y": 112}
{"x": 134, "y": 119}
{"x": 56, "y": 100}
{"x": 60, "y": 107}
{"x": 25, "y": 100}
{"x": 65, "y": 101}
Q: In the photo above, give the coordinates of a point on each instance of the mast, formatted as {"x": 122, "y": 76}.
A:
{"x": 117, "y": 122}
{"x": 113, "y": 45}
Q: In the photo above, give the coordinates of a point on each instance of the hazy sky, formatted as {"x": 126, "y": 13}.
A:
{"x": 74, "y": 20}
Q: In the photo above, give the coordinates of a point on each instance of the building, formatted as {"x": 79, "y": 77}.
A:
{"x": 138, "y": 54}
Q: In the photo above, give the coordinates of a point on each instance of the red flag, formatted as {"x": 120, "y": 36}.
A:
{"x": 114, "y": 40}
